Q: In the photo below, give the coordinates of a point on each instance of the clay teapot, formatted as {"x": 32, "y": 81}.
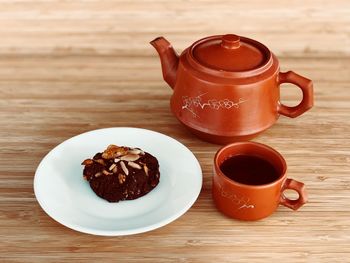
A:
{"x": 227, "y": 87}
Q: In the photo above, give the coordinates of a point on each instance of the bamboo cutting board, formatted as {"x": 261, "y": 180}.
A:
{"x": 67, "y": 67}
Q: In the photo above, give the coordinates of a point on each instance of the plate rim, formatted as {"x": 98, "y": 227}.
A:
{"x": 124, "y": 232}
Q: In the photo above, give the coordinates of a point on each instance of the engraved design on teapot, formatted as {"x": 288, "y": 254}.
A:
{"x": 192, "y": 103}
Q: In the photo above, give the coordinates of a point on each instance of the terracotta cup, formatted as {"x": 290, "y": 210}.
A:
{"x": 253, "y": 202}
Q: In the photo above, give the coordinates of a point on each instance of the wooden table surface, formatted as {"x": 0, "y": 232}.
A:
{"x": 67, "y": 67}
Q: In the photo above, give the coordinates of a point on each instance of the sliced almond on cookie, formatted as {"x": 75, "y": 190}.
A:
{"x": 130, "y": 157}
{"x": 134, "y": 165}
{"x": 123, "y": 166}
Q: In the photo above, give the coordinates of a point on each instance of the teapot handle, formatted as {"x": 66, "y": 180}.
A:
{"x": 306, "y": 87}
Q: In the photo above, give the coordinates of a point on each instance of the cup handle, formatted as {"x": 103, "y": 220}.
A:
{"x": 297, "y": 186}
{"x": 308, "y": 95}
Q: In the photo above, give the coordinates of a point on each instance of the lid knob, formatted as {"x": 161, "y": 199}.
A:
{"x": 230, "y": 41}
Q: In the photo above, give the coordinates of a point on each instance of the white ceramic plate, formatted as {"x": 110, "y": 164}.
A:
{"x": 64, "y": 195}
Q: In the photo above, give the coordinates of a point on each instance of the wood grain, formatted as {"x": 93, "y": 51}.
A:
{"x": 67, "y": 67}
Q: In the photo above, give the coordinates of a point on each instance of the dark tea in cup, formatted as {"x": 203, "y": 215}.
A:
{"x": 249, "y": 169}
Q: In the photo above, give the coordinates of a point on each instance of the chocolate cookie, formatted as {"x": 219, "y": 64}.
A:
{"x": 121, "y": 173}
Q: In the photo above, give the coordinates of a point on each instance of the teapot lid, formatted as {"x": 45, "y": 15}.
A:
{"x": 230, "y": 53}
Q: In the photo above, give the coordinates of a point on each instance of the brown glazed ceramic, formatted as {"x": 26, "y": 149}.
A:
{"x": 253, "y": 202}
{"x": 227, "y": 88}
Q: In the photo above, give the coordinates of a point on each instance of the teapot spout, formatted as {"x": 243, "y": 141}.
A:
{"x": 168, "y": 58}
